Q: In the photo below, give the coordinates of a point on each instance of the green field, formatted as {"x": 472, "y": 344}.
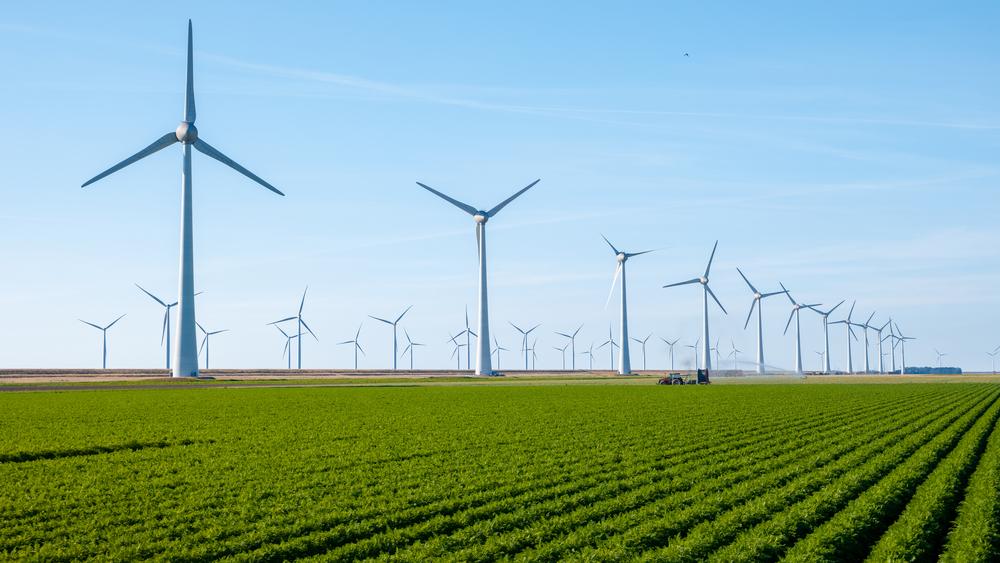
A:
{"x": 717, "y": 473}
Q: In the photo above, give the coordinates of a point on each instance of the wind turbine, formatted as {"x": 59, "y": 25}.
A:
{"x": 703, "y": 280}
{"x": 497, "y": 350}
{"x": 561, "y": 351}
{"x": 395, "y": 351}
{"x": 481, "y": 217}
{"x": 850, "y": 332}
{"x": 301, "y": 323}
{"x": 186, "y": 343}
{"x": 166, "y": 321}
{"x": 611, "y": 351}
{"x": 939, "y": 356}
{"x": 589, "y": 352}
{"x": 895, "y": 342}
{"x": 104, "y": 333}
{"x": 758, "y": 302}
{"x": 524, "y": 341}
{"x": 865, "y": 326}
{"x": 454, "y": 353}
{"x": 694, "y": 348}
{"x": 468, "y": 341}
{"x": 881, "y": 339}
{"x": 822, "y": 360}
{"x": 572, "y": 341}
{"x": 671, "y": 345}
{"x": 718, "y": 354}
{"x": 356, "y": 345}
{"x": 204, "y": 343}
{"x": 642, "y": 342}
{"x": 826, "y": 334}
{"x": 288, "y": 345}
{"x": 735, "y": 354}
{"x": 902, "y": 349}
{"x": 409, "y": 347}
{"x": 796, "y": 311}
{"x": 624, "y": 360}
{"x": 993, "y": 359}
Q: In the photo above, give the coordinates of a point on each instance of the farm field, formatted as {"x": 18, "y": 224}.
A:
{"x": 696, "y": 473}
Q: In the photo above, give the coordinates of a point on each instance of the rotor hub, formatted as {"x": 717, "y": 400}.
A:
{"x": 622, "y": 257}
{"x": 481, "y": 217}
{"x": 187, "y": 133}
{"x": 703, "y": 280}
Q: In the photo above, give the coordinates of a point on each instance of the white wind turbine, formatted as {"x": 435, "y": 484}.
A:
{"x": 642, "y": 342}
{"x": 534, "y": 356}
{"x": 703, "y": 280}
{"x": 468, "y": 341}
{"x": 524, "y": 341}
{"x": 204, "y": 343}
{"x": 694, "y": 349}
{"x": 671, "y": 345}
{"x": 186, "y": 338}
{"x": 481, "y": 217}
{"x": 902, "y": 349}
{"x": 624, "y": 360}
{"x": 166, "y": 320}
{"x": 865, "y": 326}
{"x": 939, "y": 356}
{"x": 589, "y": 352}
{"x": 410, "y": 345}
{"x": 395, "y": 349}
{"x": 826, "y": 334}
{"x": 356, "y": 344}
{"x": 718, "y": 354}
{"x": 822, "y": 363}
{"x": 497, "y": 350}
{"x": 850, "y": 333}
{"x": 561, "y": 351}
{"x": 758, "y": 302}
{"x": 288, "y": 345}
{"x": 881, "y": 339}
{"x": 894, "y": 340}
{"x": 456, "y": 352}
{"x": 993, "y": 359}
{"x": 104, "y": 333}
{"x": 572, "y": 341}
{"x": 735, "y": 354}
{"x": 796, "y": 310}
{"x": 611, "y": 351}
{"x": 300, "y": 322}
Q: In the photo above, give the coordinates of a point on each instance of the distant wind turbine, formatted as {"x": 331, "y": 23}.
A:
{"x": 524, "y": 341}
{"x": 671, "y": 345}
{"x": 993, "y": 359}
{"x": 481, "y": 217}
{"x": 822, "y": 364}
{"x": 589, "y": 352}
{"x": 611, "y": 351}
{"x": 939, "y": 356}
{"x": 850, "y": 333}
{"x": 758, "y": 302}
{"x": 186, "y": 338}
{"x": 902, "y": 349}
{"x": 204, "y": 343}
{"x": 497, "y": 350}
{"x": 703, "y": 280}
{"x": 865, "y": 326}
{"x": 881, "y": 339}
{"x": 395, "y": 349}
{"x": 642, "y": 342}
{"x": 572, "y": 341}
{"x": 456, "y": 352}
{"x": 410, "y": 345}
{"x": 563, "y": 352}
{"x": 694, "y": 349}
{"x": 165, "y": 334}
{"x": 300, "y": 322}
{"x": 287, "y": 351}
{"x": 104, "y": 336}
{"x": 826, "y": 334}
{"x": 624, "y": 360}
{"x": 356, "y": 344}
{"x": 468, "y": 341}
{"x": 735, "y": 354}
{"x": 796, "y": 311}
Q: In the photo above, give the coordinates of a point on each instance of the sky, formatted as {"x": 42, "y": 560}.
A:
{"x": 848, "y": 150}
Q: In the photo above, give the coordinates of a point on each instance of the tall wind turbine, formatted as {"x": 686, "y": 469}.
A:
{"x": 104, "y": 335}
{"x": 481, "y": 217}
{"x": 561, "y": 351}
{"x": 288, "y": 345}
{"x": 703, "y": 280}
{"x": 624, "y": 360}
{"x": 850, "y": 333}
{"x": 166, "y": 321}
{"x": 826, "y": 334}
{"x": 758, "y": 302}
{"x": 611, "y": 351}
{"x": 902, "y": 349}
{"x": 572, "y": 341}
{"x": 410, "y": 345}
{"x": 939, "y": 356}
{"x": 395, "y": 350}
{"x": 671, "y": 345}
{"x": 796, "y": 311}
{"x": 185, "y": 342}
{"x": 204, "y": 343}
{"x": 300, "y": 322}
{"x": 356, "y": 345}
{"x": 524, "y": 341}
{"x": 642, "y": 342}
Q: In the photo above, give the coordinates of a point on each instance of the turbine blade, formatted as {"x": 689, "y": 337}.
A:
{"x": 613, "y": 249}
{"x": 288, "y": 342}
{"x": 710, "y": 292}
{"x": 303, "y": 302}
{"x": 189, "y": 112}
{"x": 690, "y": 281}
{"x": 309, "y": 329}
{"x": 577, "y": 331}
{"x": 851, "y": 330}
{"x": 773, "y": 293}
{"x": 463, "y": 206}
{"x": 219, "y": 331}
{"x": 114, "y": 321}
{"x": 280, "y": 330}
{"x": 155, "y": 298}
{"x": 496, "y": 209}
{"x": 286, "y": 319}
{"x": 614, "y": 281}
{"x": 872, "y": 316}
{"x": 710, "y": 258}
{"x": 750, "y": 285}
{"x": 517, "y": 328}
{"x": 401, "y": 315}
{"x": 202, "y": 347}
{"x": 157, "y": 145}
{"x": 361, "y": 349}
{"x": 835, "y": 307}
{"x": 91, "y": 324}
{"x": 851, "y": 312}
{"x": 750, "y": 314}
{"x": 377, "y": 319}
{"x": 163, "y": 334}
{"x": 787, "y": 293}
{"x": 789, "y": 323}
{"x": 211, "y": 151}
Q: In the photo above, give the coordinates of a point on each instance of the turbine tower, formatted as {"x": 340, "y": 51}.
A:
{"x": 703, "y": 280}
{"x": 642, "y": 342}
{"x": 572, "y": 341}
{"x": 481, "y": 217}
{"x": 356, "y": 345}
{"x": 865, "y": 326}
{"x": 826, "y": 334}
{"x": 204, "y": 343}
{"x": 671, "y": 345}
{"x": 288, "y": 345}
{"x": 758, "y": 302}
{"x": 104, "y": 335}
{"x": 410, "y": 345}
{"x": 850, "y": 333}
{"x": 524, "y": 341}
{"x": 796, "y": 311}
{"x": 300, "y": 322}
{"x": 624, "y": 361}
{"x": 185, "y": 342}
{"x": 395, "y": 350}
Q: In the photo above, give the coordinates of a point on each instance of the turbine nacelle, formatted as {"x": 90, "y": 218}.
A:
{"x": 481, "y": 217}
{"x": 703, "y": 280}
{"x": 187, "y": 133}
{"x": 622, "y": 257}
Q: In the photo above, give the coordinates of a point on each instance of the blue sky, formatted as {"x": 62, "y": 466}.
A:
{"x": 847, "y": 150}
